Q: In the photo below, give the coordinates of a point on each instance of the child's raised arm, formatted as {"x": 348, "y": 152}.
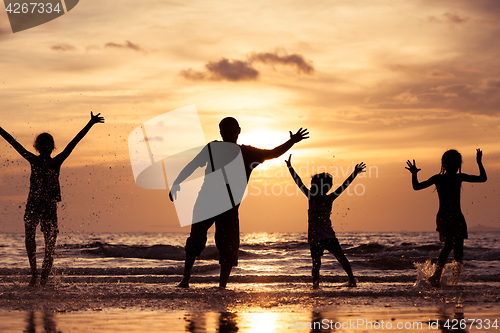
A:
{"x": 94, "y": 119}
{"x": 414, "y": 178}
{"x": 296, "y": 177}
{"x": 16, "y": 145}
{"x": 359, "y": 168}
{"x": 482, "y": 173}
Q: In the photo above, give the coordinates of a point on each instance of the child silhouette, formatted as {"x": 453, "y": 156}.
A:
{"x": 450, "y": 221}
{"x": 45, "y": 192}
{"x": 320, "y": 232}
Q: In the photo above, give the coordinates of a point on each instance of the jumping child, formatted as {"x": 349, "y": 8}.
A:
{"x": 450, "y": 220}
{"x": 320, "y": 232}
{"x": 45, "y": 192}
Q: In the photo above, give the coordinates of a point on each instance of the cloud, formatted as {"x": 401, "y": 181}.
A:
{"x": 421, "y": 71}
{"x": 487, "y": 10}
{"x": 243, "y": 70}
{"x": 127, "y": 45}
{"x": 490, "y": 84}
{"x": 232, "y": 70}
{"x": 406, "y": 97}
{"x": 224, "y": 69}
{"x": 439, "y": 74}
{"x": 63, "y": 47}
{"x": 294, "y": 60}
{"x": 454, "y": 18}
{"x": 194, "y": 75}
{"x": 460, "y": 97}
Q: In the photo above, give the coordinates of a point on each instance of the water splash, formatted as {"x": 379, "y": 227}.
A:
{"x": 424, "y": 272}
{"x": 450, "y": 276}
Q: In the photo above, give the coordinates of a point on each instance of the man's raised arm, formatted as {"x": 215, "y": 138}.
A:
{"x": 294, "y": 138}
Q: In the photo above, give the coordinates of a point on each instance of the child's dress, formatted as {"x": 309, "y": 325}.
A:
{"x": 450, "y": 221}
{"x": 320, "y": 225}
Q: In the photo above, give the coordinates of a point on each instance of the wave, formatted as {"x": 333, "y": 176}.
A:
{"x": 159, "y": 252}
{"x": 387, "y": 263}
{"x": 367, "y": 248}
{"x": 483, "y": 255}
{"x": 408, "y": 251}
{"x": 79, "y": 246}
{"x": 380, "y": 255}
{"x": 163, "y": 252}
{"x": 283, "y": 245}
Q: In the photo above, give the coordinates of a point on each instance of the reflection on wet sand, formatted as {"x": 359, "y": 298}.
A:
{"x": 137, "y": 321}
{"x": 450, "y": 321}
{"x": 227, "y": 322}
{"x": 49, "y": 324}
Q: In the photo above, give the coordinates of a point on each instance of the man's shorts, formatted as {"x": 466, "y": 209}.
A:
{"x": 330, "y": 244}
{"x": 227, "y": 236}
{"x": 43, "y": 212}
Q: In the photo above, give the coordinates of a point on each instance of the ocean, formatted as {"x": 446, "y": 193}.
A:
{"x": 269, "y": 257}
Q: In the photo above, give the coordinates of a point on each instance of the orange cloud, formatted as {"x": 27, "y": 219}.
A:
{"x": 63, "y": 47}
{"x": 127, "y": 45}
{"x": 224, "y": 69}
{"x": 455, "y": 18}
{"x": 294, "y": 60}
{"x": 242, "y": 70}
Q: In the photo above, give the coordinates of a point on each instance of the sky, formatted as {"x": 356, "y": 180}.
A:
{"x": 378, "y": 82}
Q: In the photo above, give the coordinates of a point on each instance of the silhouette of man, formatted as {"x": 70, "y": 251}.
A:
{"x": 227, "y": 230}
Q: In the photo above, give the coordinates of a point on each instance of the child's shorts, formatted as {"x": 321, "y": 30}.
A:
{"x": 330, "y": 244}
{"x": 43, "y": 212}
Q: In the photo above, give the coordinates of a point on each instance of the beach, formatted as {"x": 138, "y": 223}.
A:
{"x": 119, "y": 283}
{"x": 72, "y": 306}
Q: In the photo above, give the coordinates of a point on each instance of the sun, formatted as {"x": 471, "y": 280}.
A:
{"x": 265, "y": 139}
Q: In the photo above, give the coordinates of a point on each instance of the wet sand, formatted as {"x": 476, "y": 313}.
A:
{"x": 113, "y": 320}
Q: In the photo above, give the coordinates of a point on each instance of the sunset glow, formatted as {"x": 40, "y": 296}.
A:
{"x": 376, "y": 82}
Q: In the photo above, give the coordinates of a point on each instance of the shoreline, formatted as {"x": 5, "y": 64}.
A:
{"x": 70, "y": 296}
{"x": 158, "y": 275}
